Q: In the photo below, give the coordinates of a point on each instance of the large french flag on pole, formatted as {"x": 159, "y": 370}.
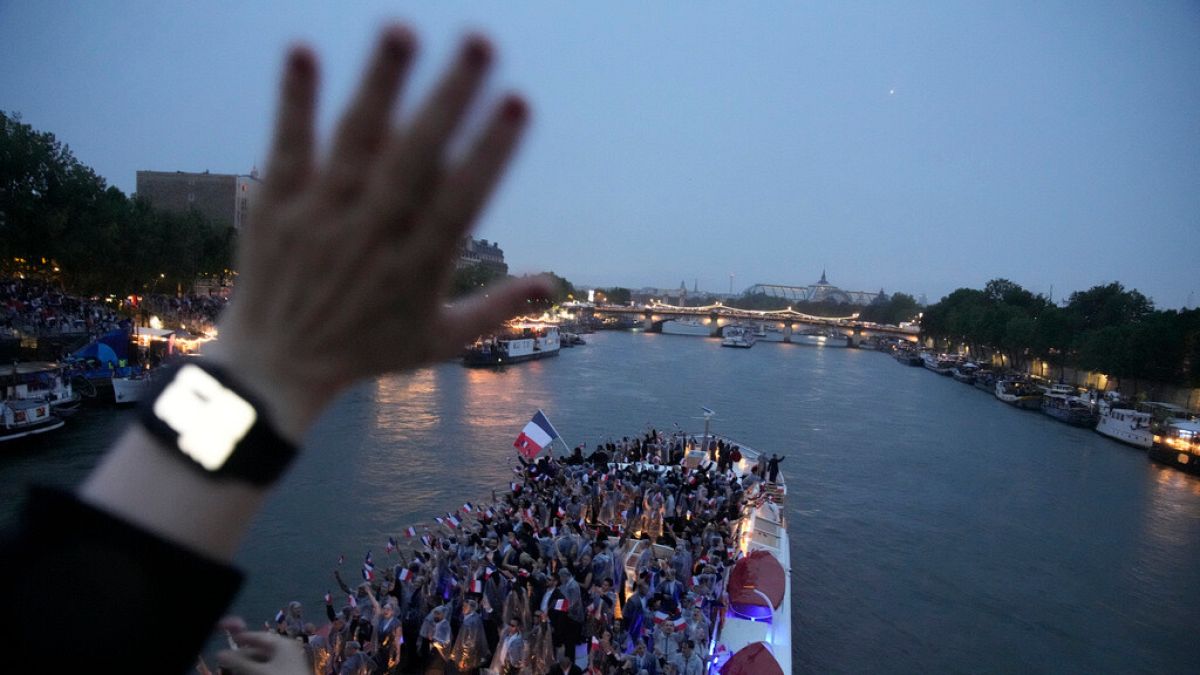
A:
{"x": 536, "y": 435}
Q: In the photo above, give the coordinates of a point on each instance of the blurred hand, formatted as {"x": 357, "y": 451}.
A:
{"x": 344, "y": 266}
{"x": 262, "y": 653}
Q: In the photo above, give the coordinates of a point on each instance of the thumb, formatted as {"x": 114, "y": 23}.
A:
{"x": 484, "y": 310}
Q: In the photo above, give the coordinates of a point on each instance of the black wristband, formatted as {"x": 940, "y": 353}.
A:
{"x": 259, "y": 457}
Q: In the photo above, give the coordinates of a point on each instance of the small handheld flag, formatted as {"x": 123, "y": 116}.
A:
{"x": 279, "y": 616}
{"x": 410, "y": 532}
{"x": 353, "y": 602}
{"x": 476, "y": 586}
{"x": 560, "y": 605}
{"x": 468, "y": 507}
{"x": 391, "y": 545}
{"x": 405, "y": 574}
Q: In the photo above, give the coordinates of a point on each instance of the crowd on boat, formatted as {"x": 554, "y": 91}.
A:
{"x": 608, "y": 563}
{"x": 1169, "y": 433}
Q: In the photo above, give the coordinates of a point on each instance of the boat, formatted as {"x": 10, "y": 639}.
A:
{"x": 820, "y": 338}
{"x": 741, "y": 337}
{"x": 753, "y": 633}
{"x": 1069, "y": 408}
{"x": 1018, "y": 392}
{"x": 570, "y": 339}
{"x": 1126, "y": 425}
{"x": 23, "y": 418}
{"x": 43, "y": 381}
{"x": 1177, "y": 444}
{"x": 521, "y": 341}
{"x": 132, "y": 388}
{"x": 985, "y": 380}
{"x": 965, "y": 372}
{"x": 908, "y": 357}
{"x": 941, "y": 364}
{"x": 687, "y": 327}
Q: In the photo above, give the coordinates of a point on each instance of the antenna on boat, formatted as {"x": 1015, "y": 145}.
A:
{"x": 708, "y": 415}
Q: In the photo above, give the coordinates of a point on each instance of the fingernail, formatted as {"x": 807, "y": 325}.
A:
{"x": 477, "y": 52}
{"x": 301, "y": 61}
{"x": 398, "y": 42}
{"x": 514, "y": 109}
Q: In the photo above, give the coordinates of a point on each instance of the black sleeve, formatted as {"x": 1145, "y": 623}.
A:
{"x": 329, "y": 613}
{"x": 134, "y": 595}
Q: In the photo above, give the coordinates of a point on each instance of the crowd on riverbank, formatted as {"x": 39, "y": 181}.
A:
{"x": 36, "y": 307}
{"x": 516, "y": 585}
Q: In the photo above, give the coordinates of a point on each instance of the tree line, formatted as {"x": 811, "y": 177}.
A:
{"x": 1107, "y": 329}
{"x": 60, "y": 219}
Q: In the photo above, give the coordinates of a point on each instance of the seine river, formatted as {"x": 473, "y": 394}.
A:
{"x": 933, "y": 528}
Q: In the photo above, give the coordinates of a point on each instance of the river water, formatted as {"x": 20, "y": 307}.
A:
{"x": 933, "y": 528}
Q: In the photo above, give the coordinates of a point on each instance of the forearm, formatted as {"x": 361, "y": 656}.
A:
{"x": 141, "y": 482}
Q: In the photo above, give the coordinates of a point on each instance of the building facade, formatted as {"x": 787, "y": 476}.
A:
{"x": 226, "y": 200}
{"x": 481, "y": 252}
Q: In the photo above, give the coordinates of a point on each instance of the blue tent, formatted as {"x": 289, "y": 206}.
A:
{"x": 112, "y": 347}
{"x": 99, "y": 351}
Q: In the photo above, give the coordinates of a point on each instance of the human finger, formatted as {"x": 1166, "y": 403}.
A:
{"x": 466, "y": 190}
{"x": 367, "y": 122}
{"x": 488, "y": 308}
{"x": 261, "y": 640}
{"x": 413, "y": 159}
{"x": 242, "y": 662}
{"x": 290, "y": 163}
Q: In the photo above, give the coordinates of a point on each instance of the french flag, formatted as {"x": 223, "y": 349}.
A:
{"x": 680, "y": 623}
{"x": 427, "y": 541}
{"x": 660, "y": 617}
{"x": 561, "y": 512}
{"x": 595, "y": 642}
{"x": 468, "y": 508}
{"x": 368, "y": 572}
{"x": 353, "y": 602}
{"x": 391, "y": 545}
{"x": 410, "y": 532}
{"x": 476, "y": 586}
{"x": 440, "y": 521}
{"x": 405, "y": 574}
{"x": 560, "y": 605}
{"x": 488, "y": 572}
{"x": 536, "y": 435}
{"x": 279, "y": 616}
{"x": 489, "y": 514}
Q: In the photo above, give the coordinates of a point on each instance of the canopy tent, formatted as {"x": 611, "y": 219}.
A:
{"x": 99, "y": 351}
{"x": 111, "y": 347}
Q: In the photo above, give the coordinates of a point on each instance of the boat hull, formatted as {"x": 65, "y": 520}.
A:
{"x": 1171, "y": 457}
{"x": 1128, "y": 427}
{"x": 30, "y": 430}
{"x": 493, "y": 360}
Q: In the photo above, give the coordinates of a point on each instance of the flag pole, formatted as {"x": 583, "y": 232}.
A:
{"x": 557, "y": 436}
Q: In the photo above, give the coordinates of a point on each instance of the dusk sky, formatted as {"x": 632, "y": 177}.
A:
{"x": 913, "y": 147}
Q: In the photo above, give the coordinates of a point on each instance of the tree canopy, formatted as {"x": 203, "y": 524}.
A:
{"x": 1106, "y": 328}
{"x": 59, "y": 218}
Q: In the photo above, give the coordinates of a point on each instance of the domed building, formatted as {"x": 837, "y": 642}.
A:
{"x": 822, "y": 291}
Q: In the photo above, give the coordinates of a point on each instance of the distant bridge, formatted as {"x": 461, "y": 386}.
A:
{"x": 717, "y": 316}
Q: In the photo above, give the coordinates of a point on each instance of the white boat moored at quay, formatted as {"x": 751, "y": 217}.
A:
{"x": 741, "y": 337}
{"x": 686, "y": 327}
